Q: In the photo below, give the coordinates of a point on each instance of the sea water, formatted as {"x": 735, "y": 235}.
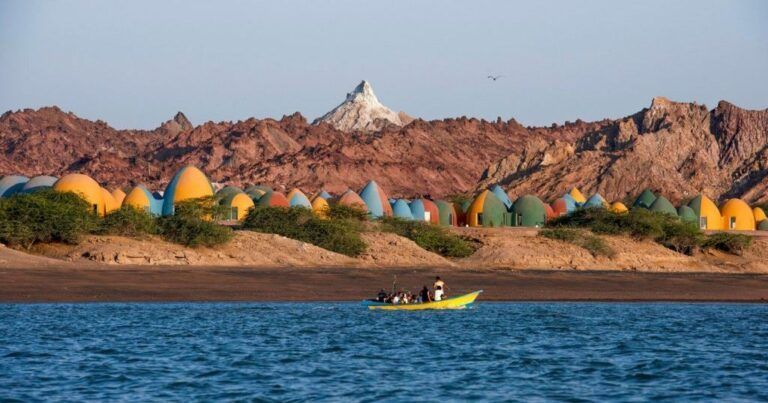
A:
{"x": 340, "y": 351}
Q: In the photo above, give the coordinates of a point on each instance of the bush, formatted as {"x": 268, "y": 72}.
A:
{"x": 730, "y": 243}
{"x": 340, "y": 235}
{"x": 662, "y": 228}
{"x": 192, "y": 224}
{"x": 344, "y": 212}
{"x": 128, "y": 221}
{"x": 594, "y": 244}
{"x": 430, "y": 237}
{"x": 44, "y": 216}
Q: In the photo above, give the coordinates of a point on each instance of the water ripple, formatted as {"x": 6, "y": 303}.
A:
{"x": 330, "y": 352}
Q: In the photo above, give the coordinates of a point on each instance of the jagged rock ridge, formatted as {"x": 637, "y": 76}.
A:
{"x": 677, "y": 149}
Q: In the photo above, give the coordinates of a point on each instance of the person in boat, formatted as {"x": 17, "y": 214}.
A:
{"x": 439, "y": 289}
{"x": 396, "y": 299}
{"x": 424, "y": 295}
{"x": 382, "y": 296}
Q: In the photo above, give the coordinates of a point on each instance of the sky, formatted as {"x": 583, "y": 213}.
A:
{"x": 136, "y": 63}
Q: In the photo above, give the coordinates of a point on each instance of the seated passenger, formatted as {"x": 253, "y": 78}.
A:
{"x": 438, "y": 293}
{"x": 382, "y": 296}
{"x": 424, "y": 295}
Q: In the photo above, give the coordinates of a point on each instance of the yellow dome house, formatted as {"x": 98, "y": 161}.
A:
{"x": 110, "y": 204}
{"x": 188, "y": 183}
{"x": 737, "y": 215}
{"x": 320, "y": 206}
{"x": 239, "y": 204}
{"x": 85, "y": 187}
{"x": 577, "y": 196}
{"x": 619, "y": 208}
{"x": 119, "y": 196}
{"x": 707, "y": 213}
{"x": 142, "y": 199}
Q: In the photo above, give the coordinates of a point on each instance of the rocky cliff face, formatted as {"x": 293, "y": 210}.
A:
{"x": 678, "y": 149}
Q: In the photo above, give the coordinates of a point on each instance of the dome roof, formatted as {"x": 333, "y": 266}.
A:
{"x": 39, "y": 183}
{"x": 687, "y": 214}
{"x": 188, "y": 183}
{"x": 486, "y": 211}
{"x": 707, "y": 212}
{"x": 141, "y": 198}
{"x": 447, "y": 213}
{"x": 118, "y": 195}
{"x": 85, "y": 187}
{"x": 400, "y": 209}
{"x": 502, "y": 195}
{"x": 577, "y": 196}
{"x": 227, "y": 191}
{"x": 376, "y": 200}
{"x": 350, "y": 198}
{"x": 425, "y": 210}
{"x": 619, "y": 208}
{"x": 645, "y": 199}
{"x": 297, "y": 198}
{"x": 320, "y": 207}
{"x": 11, "y": 184}
{"x": 564, "y": 205}
{"x": 110, "y": 204}
{"x": 239, "y": 203}
{"x": 273, "y": 199}
{"x": 737, "y": 215}
{"x": 662, "y": 205}
{"x": 759, "y": 214}
{"x": 529, "y": 211}
{"x": 596, "y": 201}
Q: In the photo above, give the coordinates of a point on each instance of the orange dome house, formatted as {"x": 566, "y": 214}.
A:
{"x": 706, "y": 210}
{"x": 85, "y": 187}
{"x": 737, "y": 215}
{"x": 351, "y": 199}
{"x": 487, "y": 211}
{"x": 273, "y": 199}
{"x": 188, "y": 183}
{"x": 759, "y": 215}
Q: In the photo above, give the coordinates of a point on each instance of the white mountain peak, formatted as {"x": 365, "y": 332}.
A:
{"x": 362, "y": 111}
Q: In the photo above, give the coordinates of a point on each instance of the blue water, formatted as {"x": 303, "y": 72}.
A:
{"x": 327, "y": 351}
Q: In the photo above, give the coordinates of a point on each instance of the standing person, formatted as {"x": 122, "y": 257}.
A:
{"x": 439, "y": 288}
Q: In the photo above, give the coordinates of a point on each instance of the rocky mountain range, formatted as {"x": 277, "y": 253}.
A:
{"x": 678, "y": 149}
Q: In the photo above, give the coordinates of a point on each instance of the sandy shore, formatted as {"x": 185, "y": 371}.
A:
{"x": 67, "y": 282}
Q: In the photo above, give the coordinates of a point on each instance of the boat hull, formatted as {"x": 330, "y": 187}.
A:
{"x": 459, "y": 302}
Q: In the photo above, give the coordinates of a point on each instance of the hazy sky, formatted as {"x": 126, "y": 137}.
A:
{"x": 135, "y": 63}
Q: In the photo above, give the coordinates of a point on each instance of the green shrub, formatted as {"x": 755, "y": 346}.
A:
{"x": 560, "y": 234}
{"x": 334, "y": 234}
{"x": 343, "y": 212}
{"x": 44, "y": 216}
{"x": 430, "y": 237}
{"x": 192, "y": 224}
{"x": 128, "y": 221}
{"x": 593, "y": 243}
{"x": 639, "y": 223}
{"x": 730, "y": 243}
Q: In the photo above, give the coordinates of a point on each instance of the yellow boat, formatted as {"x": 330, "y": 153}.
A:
{"x": 459, "y": 302}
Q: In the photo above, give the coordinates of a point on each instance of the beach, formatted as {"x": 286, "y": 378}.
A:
{"x": 66, "y": 282}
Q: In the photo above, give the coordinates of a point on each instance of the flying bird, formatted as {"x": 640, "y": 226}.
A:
{"x": 494, "y": 78}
